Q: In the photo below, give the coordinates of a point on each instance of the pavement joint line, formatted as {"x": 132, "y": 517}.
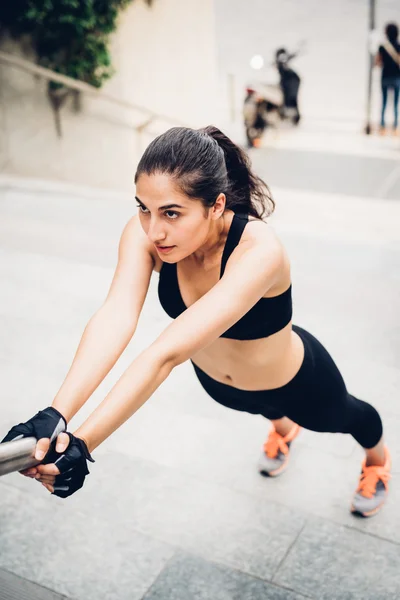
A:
{"x": 278, "y": 585}
{"x": 301, "y": 511}
{"x": 64, "y": 188}
{"x": 164, "y": 568}
{"x": 221, "y": 563}
{"x": 304, "y": 512}
{"x": 309, "y": 516}
{"x": 288, "y": 551}
{"x": 389, "y": 182}
{"x": 312, "y": 136}
{"x": 367, "y": 533}
{"x": 330, "y": 196}
{"x": 52, "y": 591}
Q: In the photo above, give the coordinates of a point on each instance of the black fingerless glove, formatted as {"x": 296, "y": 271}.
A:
{"x": 72, "y": 466}
{"x": 47, "y": 423}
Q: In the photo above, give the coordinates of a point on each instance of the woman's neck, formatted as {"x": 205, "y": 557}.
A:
{"x": 211, "y": 249}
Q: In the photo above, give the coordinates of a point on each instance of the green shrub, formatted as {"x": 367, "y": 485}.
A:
{"x": 69, "y": 36}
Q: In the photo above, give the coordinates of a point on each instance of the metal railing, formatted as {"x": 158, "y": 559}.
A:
{"x": 76, "y": 85}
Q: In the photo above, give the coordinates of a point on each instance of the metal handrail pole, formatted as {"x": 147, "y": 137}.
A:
{"x": 17, "y": 455}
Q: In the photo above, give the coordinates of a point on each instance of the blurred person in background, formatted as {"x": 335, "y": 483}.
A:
{"x": 253, "y": 117}
{"x": 289, "y": 82}
{"x": 388, "y": 58}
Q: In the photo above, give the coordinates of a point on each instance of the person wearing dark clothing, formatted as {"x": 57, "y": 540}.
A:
{"x": 289, "y": 82}
{"x": 389, "y": 59}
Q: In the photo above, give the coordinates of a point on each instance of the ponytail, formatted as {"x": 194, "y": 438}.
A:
{"x": 248, "y": 193}
{"x": 205, "y": 163}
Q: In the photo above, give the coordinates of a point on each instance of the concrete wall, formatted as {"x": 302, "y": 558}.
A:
{"x": 165, "y": 60}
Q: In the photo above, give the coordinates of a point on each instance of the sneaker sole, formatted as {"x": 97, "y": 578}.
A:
{"x": 370, "y": 513}
{"x": 276, "y": 472}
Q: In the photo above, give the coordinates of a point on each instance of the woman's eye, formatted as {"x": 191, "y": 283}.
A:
{"x": 142, "y": 209}
{"x": 171, "y": 214}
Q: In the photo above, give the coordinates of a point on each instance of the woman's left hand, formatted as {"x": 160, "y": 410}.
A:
{"x": 65, "y": 473}
{"x": 46, "y": 473}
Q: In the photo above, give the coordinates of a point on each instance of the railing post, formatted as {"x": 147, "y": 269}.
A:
{"x": 372, "y": 6}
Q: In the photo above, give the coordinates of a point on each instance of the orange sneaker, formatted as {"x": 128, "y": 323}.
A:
{"x": 275, "y": 456}
{"x": 372, "y": 488}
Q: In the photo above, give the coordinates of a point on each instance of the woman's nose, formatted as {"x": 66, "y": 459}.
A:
{"x": 156, "y": 233}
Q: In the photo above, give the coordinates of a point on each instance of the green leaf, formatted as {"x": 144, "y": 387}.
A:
{"x": 70, "y": 36}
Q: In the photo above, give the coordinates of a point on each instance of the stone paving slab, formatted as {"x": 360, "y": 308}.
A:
{"x": 335, "y": 563}
{"x": 244, "y": 532}
{"x": 17, "y": 588}
{"x": 189, "y": 577}
{"x": 73, "y": 550}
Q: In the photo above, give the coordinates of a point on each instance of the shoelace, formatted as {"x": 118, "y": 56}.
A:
{"x": 274, "y": 443}
{"x": 370, "y": 477}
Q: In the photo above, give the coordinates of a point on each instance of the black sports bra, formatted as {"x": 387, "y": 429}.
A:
{"x": 265, "y": 318}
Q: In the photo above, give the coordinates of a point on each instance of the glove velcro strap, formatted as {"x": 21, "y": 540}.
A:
{"x": 47, "y": 423}
{"x": 72, "y": 466}
{"x": 76, "y": 453}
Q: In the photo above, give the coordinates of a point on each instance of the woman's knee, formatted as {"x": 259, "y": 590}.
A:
{"x": 364, "y": 423}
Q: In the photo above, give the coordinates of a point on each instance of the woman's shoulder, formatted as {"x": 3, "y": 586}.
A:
{"x": 259, "y": 234}
{"x": 134, "y": 240}
{"x": 261, "y": 239}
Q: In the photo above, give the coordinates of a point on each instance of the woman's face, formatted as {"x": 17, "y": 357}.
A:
{"x": 176, "y": 224}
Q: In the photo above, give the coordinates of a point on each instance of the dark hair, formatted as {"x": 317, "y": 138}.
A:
{"x": 204, "y": 163}
{"x": 392, "y": 32}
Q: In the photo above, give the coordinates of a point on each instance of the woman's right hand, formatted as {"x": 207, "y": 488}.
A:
{"x": 42, "y": 448}
{"x": 45, "y": 426}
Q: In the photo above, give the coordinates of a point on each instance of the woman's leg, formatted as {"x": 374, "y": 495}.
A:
{"x": 275, "y": 456}
{"x": 317, "y": 399}
{"x": 364, "y": 424}
{"x": 384, "y": 103}
{"x": 396, "y": 90}
{"x": 366, "y": 427}
{"x": 376, "y": 455}
{"x": 283, "y": 426}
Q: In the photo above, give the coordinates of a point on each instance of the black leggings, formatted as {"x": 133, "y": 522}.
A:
{"x": 316, "y": 398}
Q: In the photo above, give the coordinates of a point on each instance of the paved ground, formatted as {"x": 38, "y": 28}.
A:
{"x": 174, "y": 508}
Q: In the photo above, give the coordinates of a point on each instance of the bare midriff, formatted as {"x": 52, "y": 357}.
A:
{"x": 263, "y": 364}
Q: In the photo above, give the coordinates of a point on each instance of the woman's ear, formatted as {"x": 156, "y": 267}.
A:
{"x": 219, "y": 207}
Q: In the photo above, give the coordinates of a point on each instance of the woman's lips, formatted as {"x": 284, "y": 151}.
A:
{"x": 165, "y": 249}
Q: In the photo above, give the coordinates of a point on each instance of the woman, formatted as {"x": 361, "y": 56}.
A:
{"x": 225, "y": 280}
{"x": 388, "y": 58}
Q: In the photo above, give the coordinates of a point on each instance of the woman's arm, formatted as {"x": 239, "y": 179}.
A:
{"x": 378, "y": 61}
{"x": 110, "y": 329}
{"x": 251, "y": 270}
